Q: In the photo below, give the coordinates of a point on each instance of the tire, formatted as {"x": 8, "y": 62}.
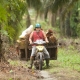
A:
{"x": 40, "y": 65}
{"x": 40, "y": 60}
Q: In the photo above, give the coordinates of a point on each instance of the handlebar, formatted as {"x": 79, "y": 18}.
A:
{"x": 40, "y": 42}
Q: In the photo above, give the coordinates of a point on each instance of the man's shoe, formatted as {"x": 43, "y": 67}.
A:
{"x": 47, "y": 66}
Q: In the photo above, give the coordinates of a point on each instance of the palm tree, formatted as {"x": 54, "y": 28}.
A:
{"x": 36, "y": 5}
{"x": 63, "y": 7}
{"x": 3, "y": 18}
{"x": 0, "y": 45}
{"x": 11, "y": 13}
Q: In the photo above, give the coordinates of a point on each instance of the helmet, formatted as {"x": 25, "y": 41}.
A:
{"x": 37, "y": 25}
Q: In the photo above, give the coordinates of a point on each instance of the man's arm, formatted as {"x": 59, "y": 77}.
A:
{"x": 45, "y": 37}
{"x": 30, "y": 38}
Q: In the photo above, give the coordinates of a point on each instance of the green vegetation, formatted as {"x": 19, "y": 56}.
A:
{"x": 10, "y": 17}
{"x": 49, "y": 11}
{"x": 14, "y": 63}
{"x": 67, "y": 58}
{"x": 70, "y": 59}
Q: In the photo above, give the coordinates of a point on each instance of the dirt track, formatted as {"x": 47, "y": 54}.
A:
{"x": 21, "y": 72}
{"x": 46, "y": 76}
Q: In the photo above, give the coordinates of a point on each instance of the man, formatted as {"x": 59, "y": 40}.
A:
{"x": 37, "y": 34}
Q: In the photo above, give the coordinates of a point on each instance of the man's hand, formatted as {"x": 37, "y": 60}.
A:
{"x": 31, "y": 42}
{"x": 47, "y": 41}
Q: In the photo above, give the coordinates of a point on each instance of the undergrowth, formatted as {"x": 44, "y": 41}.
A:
{"x": 66, "y": 58}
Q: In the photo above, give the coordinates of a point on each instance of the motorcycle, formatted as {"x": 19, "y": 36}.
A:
{"x": 39, "y": 56}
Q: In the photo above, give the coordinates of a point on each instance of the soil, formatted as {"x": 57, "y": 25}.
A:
{"x": 21, "y": 72}
{"x": 8, "y": 72}
{"x": 65, "y": 74}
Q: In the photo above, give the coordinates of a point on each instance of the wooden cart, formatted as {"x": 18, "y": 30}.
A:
{"x": 51, "y": 47}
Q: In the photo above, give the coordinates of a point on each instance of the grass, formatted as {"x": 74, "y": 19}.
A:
{"x": 14, "y": 63}
{"x": 67, "y": 58}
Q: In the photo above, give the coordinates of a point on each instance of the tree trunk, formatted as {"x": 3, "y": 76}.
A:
{"x": 0, "y": 45}
{"x": 37, "y": 12}
{"x": 60, "y": 21}
{"x": 45, "y": 14}
{"x": 28, "y": 20}
{"x": 53, "y": 20}
{"x": 67, "y": 25}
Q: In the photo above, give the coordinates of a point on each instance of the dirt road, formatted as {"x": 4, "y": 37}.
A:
{"x": 46, "y": 75}
{"x": 17, "y": 70}
{"x": 21, "y": 72}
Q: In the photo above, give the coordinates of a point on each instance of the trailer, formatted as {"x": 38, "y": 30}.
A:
{"x": 51, "y": 47}
{"x": 25, "y": 48}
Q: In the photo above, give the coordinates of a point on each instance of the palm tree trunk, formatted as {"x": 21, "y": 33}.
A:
{"x": 67, "y": 25}
{"x": 36, "y": 17}
{"x": 0, "y": 45}
{"x": 61, "y": 23}
{"x": 28, "y": 21}
{"x": 45, "y": 14}
{"x": 53, "y": 20}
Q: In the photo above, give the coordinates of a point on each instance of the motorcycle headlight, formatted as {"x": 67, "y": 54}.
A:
{"x": 40, "y": 48}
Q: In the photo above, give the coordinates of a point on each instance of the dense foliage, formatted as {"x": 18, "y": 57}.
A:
{"x": 11, "y": 13}
{"x": 61, "y": 12}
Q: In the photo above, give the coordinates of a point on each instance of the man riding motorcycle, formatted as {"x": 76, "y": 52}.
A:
{"x": 38, "y": 34}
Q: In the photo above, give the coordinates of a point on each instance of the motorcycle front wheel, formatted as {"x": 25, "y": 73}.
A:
{"x": 40, "y": 60}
